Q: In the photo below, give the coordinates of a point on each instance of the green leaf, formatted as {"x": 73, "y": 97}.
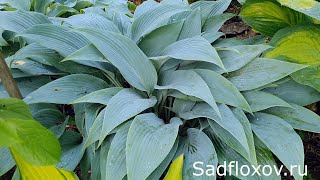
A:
{"x": 283, "y": 141}
{"x": 66, "y": 89}
{"x": 116, "y": 159}
{"x": 189, "y": 83}
{"x": 259, "y": 100}
{"x": 299, "y": 117}
{"x": 57, "y": 9}
{"x": 308, "y": 7}
{"x": 223, "y": 91}
{"x": 268, "y": 16}
{"x": 133, "y": 64}
{"x": 41, "y": 5}
{"x": 258, "y": 73}
{"x": 293, "y": 45}
{"x": 293, "y": 92}
{"x": 18, "y": 21}
{"x": 167, "y": 35}
{"x": 102, "y": 96}
{"x": 6, "y": 161}
{"x": 191, "y": 49}
{"x": 14, "y": 109}
{"x": 196, "y": 147}
{"x": 126, "y": 104}
{"x": 55, "y": 37}
{"x": 150, "y": 21}
{"x": 145, "y": 150}
{"x": 92, "y": 20}
{"x": 22, "y": 5}
{"x": 175, "y": 170}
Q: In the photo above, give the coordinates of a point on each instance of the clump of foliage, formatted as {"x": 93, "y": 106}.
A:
{"x": 149, "y": 87}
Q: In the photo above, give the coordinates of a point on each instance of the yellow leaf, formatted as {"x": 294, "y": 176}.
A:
{"x": 175, "y": 170}
{"x": 302, "y": 4}
{"x": 31, "y": 172}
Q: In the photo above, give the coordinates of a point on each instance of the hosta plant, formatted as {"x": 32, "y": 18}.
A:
{"x": 128, "y": 94}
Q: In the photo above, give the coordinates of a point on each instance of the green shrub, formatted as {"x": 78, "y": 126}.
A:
{"x": 150, "y": 86}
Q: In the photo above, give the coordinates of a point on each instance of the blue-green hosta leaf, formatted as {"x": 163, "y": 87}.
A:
{"x": 212, "y": 37}
{"x": 260, "y": 72}
{"x": 92, "y": 20}
{"x": 71, "y": 144}
{"x": 144, "y": 149}
{"x": 86, "y": 53}
{"x": 145, "y": 7}
{"x": 66, "y": 89}
{"x": 230, "y": 42}
{"x": 26, "y": 85}
{"x": 6, "y": 161}
{"x": 192, "y": 25}
{"x": 309, "y": 76}
{"x": 308, "y": 7}
{"x": 155, "y": 18}
{"x": 233, "y": 60}
{"x": 210, "y": 8}
{"x": 18, "y": 21}
{"x": 116, "y": 159}
{"x": 228, "y": 126}
{"x": 293, "y": 92}
{"x": 178, "y": 2}
{"x": 157, "y": 173}
{"x": 214, "y": 23}
{"x": 52, "y": 119}
{"x": 133, "y": 64}
{"x": 126, "y": 104}
{"x": 268, "y": 16}
{"x": 196, "y": 147}
{"x": 191, "y": 49}
{"x": 94, "y": 130}
{"x": 239, "y": 114}
{"x": 223, "y": 91}
{"x": 55, "y": 37}
{"x": 259, "y": 100}
{"x": 189, "y": 83}
{"x": 102, "y": 96}
{"x": 167, "y": 35}
{"x": 180, "y": 106}
{"x": 283, "y": 141}
{"x": 17, "y": 4}
{"x": 299, "y": 117}
{"x": 3, "y": 42}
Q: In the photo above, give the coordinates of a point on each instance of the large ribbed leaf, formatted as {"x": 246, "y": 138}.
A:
{"x": 259, "y": 100}
{"x": 6, "y": 161}
{"x": 167, "y": 35}
{"x": 116, "y": 159}
{"x": 41, "y": 5}
{"x": 283, "y": 141}
{"x": 192, "y": 25}
{"x": 144, "y": 7}
{"x": 133, "y": 64}
{"x": 196, "y": 147}
{"x": 92, "y": 20}
{"x": 55, "y": 37}
{"x": 189, "y": 83}
{"x": 157, "y": 17}
{"x": 268, "y": 16}
{"x": 145, "y": 150}
{"x": 308, "y": 7}
{"x": 223, "y": 91}
{"x": 191, "y": 49}
{"x": 18, "y": 4}
{"x": 18, "y": 21}
{"x": 66, "y": 89}
{"x": 294, "y": 45}
{"x": 126, "y": 104}
{"x": 260, "y": 72}
{"x": 228, "y": 127}
{"x": 299, "y": 117}
{"x": 214, "y": 23}
{"x": 94, "y": 130}
{"x": 293, "y": 92}
{"x": 102, "y": 96}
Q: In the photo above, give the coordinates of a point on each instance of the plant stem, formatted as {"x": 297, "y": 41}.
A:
{"x": 7, "y": 80}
